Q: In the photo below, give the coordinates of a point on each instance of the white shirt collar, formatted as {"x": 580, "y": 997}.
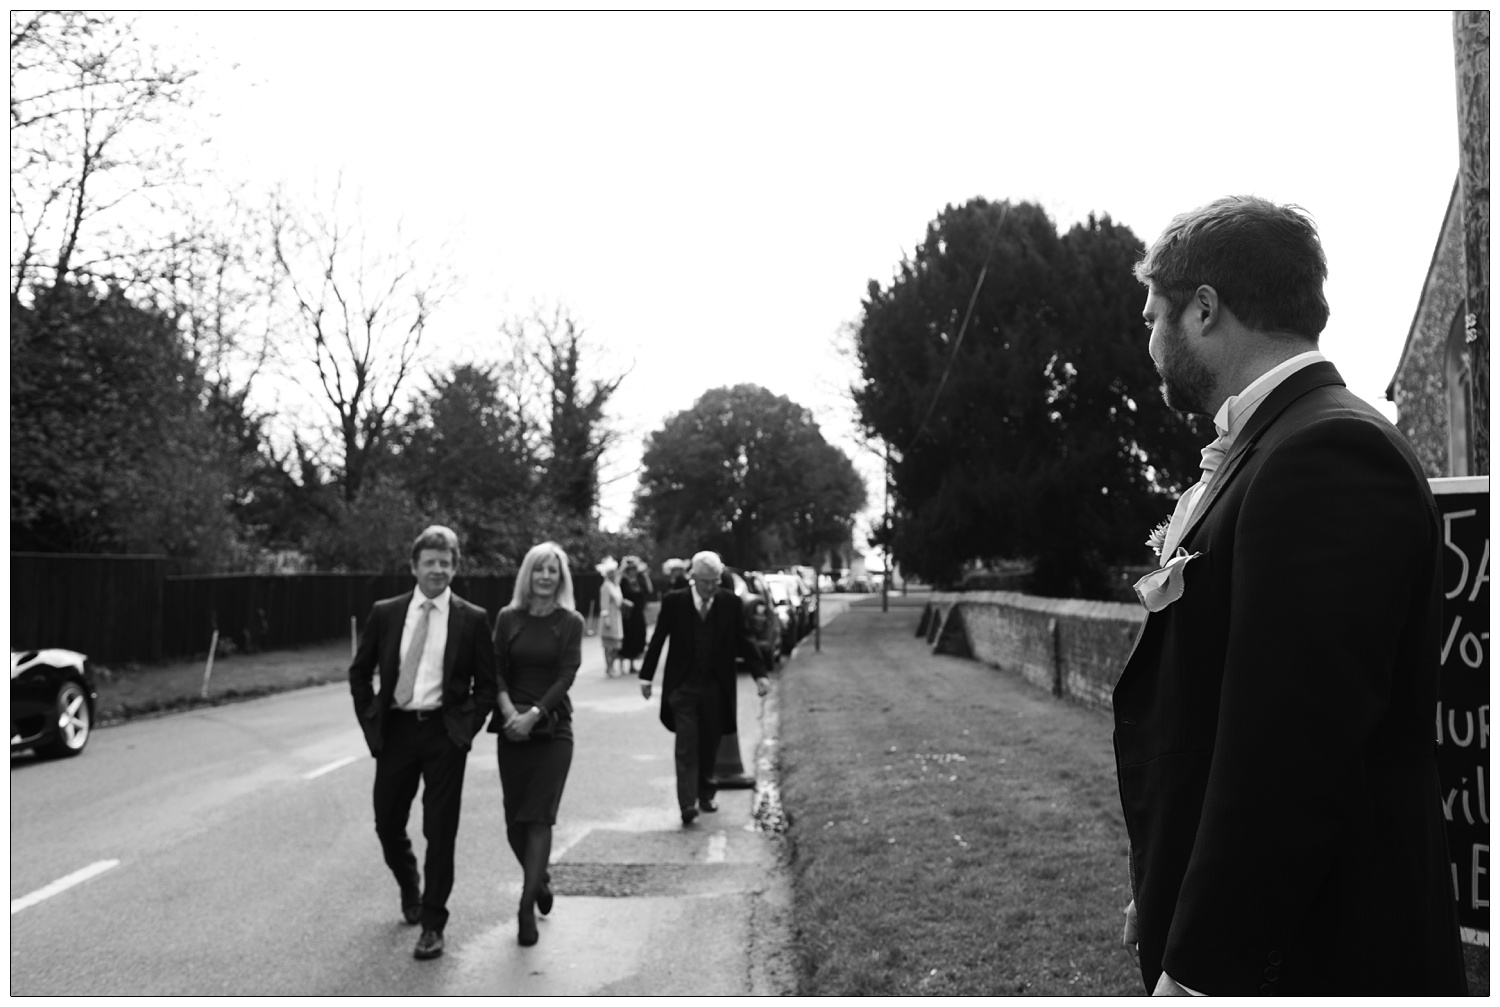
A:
{"x": 439, "y": 604}
{"x": 698, "y": 599}
{"x": 1237, "y": 409}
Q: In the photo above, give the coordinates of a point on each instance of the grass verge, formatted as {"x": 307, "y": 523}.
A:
{"x": 953, "y": 830}
{"x": 133, "y": 690}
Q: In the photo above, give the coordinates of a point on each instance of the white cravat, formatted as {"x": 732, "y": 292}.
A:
{"x": 1213, "y": 456}
{"x": 1228, "y": 422}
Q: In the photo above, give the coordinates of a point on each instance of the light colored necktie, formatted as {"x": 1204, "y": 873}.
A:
{"x": 407, "y": 683}
{"x": 1211, "y": 458}
{"x": 703, "y": 608}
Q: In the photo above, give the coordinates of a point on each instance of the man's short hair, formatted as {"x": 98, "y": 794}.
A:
{"x": 435, "y": 536}
{"x": 709, "y": 563}
{"x": 1265, "y": 261}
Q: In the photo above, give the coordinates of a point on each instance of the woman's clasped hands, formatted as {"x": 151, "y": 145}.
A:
{"x": 518, "y": 725}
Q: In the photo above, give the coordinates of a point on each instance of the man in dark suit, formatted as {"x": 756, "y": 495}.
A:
{"x": 707, "y": 630}
{"x": 1273, "y": 726}
{"x": 437, "y": 686}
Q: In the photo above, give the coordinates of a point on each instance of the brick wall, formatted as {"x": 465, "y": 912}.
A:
{"x": 1067, "y": 646}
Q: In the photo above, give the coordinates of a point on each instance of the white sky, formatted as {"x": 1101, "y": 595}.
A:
{"x": 709, "y": 194}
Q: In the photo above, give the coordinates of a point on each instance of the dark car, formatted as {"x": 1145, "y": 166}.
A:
{"x": 798, "y": 604}
{"x": 760, "y": 614}
{"x": 52, "y": 698}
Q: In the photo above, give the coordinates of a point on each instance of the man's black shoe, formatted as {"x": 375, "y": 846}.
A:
{"x": 707, "y": 806}
{"x": 411, "y": 906}
{"x": 429, "y": 945}
{"x": 688, "y": 814}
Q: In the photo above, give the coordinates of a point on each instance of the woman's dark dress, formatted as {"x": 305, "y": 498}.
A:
{"x": 536, "y": 659}
{"x": 634, "y": 590}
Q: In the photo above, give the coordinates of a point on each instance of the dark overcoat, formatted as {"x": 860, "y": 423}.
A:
{"x": 1274, "y": 725}
{"x": 678, "y": 621}
{"x": 469, "y": 684}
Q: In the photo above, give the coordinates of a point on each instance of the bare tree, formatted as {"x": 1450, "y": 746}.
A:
{"x": 361, "y": 307}
{"x": 86, "y": 100}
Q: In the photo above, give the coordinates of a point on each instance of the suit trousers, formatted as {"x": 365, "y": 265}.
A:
{"x": 698, "y": 710}
{"x": 419, "y": 751}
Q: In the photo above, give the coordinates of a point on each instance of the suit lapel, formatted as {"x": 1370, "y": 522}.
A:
{"x": 1293, "y": 388}
{"x": 1312, "y": 376}
{"x": 390, "y": 659}
{"x": 450, "y": 647}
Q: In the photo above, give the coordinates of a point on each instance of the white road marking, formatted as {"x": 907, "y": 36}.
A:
{"x": 61, "y": 885}
{"x": 718, "y": 847}
{"x": 340, "y": 764}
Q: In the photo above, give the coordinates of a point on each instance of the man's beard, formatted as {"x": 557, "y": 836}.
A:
{"x": 1189, "y": 381}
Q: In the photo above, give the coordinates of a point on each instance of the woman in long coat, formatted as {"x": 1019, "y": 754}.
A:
{"x": 635, "y": 585}
{"x": 612, "y": 608}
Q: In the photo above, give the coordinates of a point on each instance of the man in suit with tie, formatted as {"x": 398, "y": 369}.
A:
{"x": 437, "y": 687}
{"x": 705, "y": 624}
{"x": 1273, "y": 725}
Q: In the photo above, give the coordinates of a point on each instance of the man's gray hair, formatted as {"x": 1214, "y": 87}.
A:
{"x": 709, "y": 563}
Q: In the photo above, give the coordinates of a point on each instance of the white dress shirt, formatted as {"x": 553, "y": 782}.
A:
{"x": 698, "y": 599}
{"x": 427, "y": 693}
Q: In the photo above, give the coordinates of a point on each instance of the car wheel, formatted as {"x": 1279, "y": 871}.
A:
{"x": 73, "y": 723}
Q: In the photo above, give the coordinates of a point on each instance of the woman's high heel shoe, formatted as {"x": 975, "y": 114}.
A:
{"x": 544, "y": 899}
{"x": 526, "y": 934}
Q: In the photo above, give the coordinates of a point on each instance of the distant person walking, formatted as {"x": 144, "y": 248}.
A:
{"x": 1273, "y": 726}
{"x": 611, "y": 614}
{"x": 705, "y": 625}
{"x": 635, "y": 585}
{"x": 437, "y": 687}
{"x": 675, "y": 570}
{"x": 538, "y": 645}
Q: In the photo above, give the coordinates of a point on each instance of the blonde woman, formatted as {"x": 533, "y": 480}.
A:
{"x": 612, "y": 607}
{"x": 538, "y": 646}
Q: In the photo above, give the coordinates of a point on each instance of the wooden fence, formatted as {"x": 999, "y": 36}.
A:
{"x": 108, "y": 607}
{"x": 128, "y": 608}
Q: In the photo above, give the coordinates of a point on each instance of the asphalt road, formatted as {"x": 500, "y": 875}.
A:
{"x": 231, "y": 850}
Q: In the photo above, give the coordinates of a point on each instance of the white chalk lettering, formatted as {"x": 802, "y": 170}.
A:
{"x": 1476, "y": 730}
{"x": 1463, "y": 576}
{"x": 1471, "y": 650}
{"x": 1468, "y": 729}
{"x": 1484, "y": 804}
{"x": 1483, "y": 576}
{"x": 1448, "y": 643}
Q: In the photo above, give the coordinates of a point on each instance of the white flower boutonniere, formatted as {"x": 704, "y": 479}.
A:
{"x": 1160, "y": 588}
{"x": 1157, "y": 540}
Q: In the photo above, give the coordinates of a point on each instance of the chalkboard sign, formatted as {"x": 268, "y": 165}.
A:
{"x": 1463, "y": 712}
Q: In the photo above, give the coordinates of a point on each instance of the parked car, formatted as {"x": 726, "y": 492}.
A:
{"x": 52, "y": 699}
{"x": 800, "y": 599}
{"x": 760, "y": 616}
